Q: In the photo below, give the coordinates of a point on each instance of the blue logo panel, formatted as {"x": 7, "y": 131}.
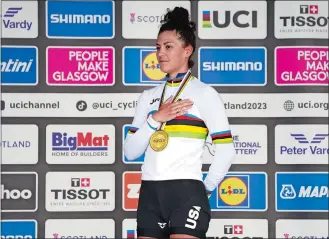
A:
{"x": 125, "y": 160}
{"x": 240, "y": 191}
{"x": 232, "y": 66}
{"x": 19, "y": 65}
{"x": 18, "y": 229}
{"x": 80, "y": 19}
{"x": 301, "y": 191}
{"x": 141, "y": 67}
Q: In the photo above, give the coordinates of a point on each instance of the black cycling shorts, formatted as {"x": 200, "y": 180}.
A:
{"x": 173, "y": 207}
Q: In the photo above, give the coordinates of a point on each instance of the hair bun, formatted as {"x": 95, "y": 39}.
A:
{"x": 179, "y": 16}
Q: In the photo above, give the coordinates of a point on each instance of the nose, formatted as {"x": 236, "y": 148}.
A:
{"x": 160, "y": 51}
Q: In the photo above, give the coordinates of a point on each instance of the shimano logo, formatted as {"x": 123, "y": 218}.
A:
{"x": 80, "y": 18}
{"x": 232, "y": 66}
{"x": 15, "y": 193}
{"x": 16, "y": 65}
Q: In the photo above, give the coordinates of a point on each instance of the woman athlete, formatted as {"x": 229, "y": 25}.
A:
{"x": 171, "y": 124}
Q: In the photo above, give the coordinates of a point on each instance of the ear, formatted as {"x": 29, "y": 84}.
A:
{"x": 188, "y": 51}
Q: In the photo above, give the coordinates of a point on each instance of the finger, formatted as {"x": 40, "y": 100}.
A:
{"x": 168, "y": 100}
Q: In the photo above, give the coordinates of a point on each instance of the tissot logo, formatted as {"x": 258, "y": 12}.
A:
{"x": 301, "y": 19}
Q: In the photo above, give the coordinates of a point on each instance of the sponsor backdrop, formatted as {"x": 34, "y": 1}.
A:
{"x": 71, "y": 74}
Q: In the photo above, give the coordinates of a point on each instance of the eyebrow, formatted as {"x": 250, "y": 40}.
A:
{"x": 164, "y": 43}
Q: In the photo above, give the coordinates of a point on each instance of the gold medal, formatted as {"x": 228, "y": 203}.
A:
{"x": 159, "y": 140}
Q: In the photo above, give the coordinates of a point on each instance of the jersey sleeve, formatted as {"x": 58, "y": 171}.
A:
{"x": 141, "y": 129}
{"x": 214, "y": 115}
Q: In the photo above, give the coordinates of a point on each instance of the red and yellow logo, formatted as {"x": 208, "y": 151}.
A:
{"x": 151, "y": 67}
{"x": 131, "y": 187}
{"x": 233, "y": 191}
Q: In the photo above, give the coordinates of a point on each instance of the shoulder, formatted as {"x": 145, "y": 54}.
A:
{"x": 149, "y": 94}
{"x": 204, "y": 90}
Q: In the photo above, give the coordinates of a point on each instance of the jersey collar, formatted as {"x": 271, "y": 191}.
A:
{"x": 176, "y": 80}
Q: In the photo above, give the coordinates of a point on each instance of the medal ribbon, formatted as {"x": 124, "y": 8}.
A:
{"x": 185, "y": 81}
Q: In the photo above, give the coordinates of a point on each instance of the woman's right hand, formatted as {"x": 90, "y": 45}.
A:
{"x": 168, "y": 110}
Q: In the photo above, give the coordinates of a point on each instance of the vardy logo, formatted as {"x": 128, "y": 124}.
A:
{"x": 9, "y": 19}
{"x": 316, "y": 139}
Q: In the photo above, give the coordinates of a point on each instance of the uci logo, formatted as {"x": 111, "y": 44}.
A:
{"x": 151, "y": 67}
{"x": 233, "y": 191}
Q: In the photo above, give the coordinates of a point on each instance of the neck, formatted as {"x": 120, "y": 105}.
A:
{"x": 173, "y": 74}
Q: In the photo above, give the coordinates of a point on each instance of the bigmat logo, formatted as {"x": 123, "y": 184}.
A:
{"x": 80, "y": 191}
{"x": 301, "y": 191}
{"x": 241, "y": 191}
{"x": 79, "y": 228}
{"x": 19, "y": 65}
{"x": 80, "y": 19}
{"x": 233, "y": 66}
{"x": 80, "y": 144}
{"x": 141, "y": 67}
{"x": 300, "y": 65}
{"x": 19, "y": 229}
{"x": 80, "y": 66}
{"x": 19, "y": 19}
{"x": 19, "y": 191}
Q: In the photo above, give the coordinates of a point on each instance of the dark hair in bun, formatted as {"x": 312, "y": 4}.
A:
{"x": 178, "y": 19}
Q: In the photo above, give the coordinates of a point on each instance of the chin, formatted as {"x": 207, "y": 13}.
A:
{"x": 165, "y": 68}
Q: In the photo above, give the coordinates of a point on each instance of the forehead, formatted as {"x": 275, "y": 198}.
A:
{"x": 166, "y": 37}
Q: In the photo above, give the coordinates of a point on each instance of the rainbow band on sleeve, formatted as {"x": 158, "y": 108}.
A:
{"x": 132, "y": 130}
{"x": 223, "y": 137}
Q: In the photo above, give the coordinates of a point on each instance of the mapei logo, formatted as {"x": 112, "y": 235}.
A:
{"x": 80, "y": 19}
{"x": 18, "y": 229}
{"x": 234, "y": 191}
{"x": 302, "y": 191}
{"x": 141, "y": 66}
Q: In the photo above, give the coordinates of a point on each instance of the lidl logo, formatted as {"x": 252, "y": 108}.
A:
{"x": 233, "y": 191}
{"x": 141, "y": 66}
{"x": 151, "y": 67}
{"x": 240, "y": 191}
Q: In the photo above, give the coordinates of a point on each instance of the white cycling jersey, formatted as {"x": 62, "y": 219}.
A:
{"x": 182, "y": 158}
